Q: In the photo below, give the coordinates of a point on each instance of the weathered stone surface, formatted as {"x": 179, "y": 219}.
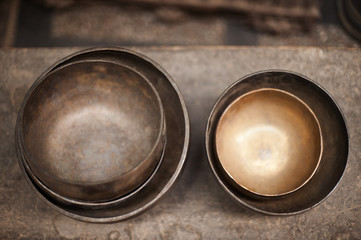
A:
{"x": 196, "y": 208}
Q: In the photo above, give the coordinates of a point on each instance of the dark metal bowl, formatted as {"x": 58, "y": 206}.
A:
{"x": 277, "y": 142}
{"x": 91, "y": 131}
{"x": 172, "y": 159}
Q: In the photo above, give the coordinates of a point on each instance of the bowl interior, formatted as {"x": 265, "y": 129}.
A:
{"x": 91, "y": 122}
{"x": 269, "y": 142}
{"x": 335, "y": 143}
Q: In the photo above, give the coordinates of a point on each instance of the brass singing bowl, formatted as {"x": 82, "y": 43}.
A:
{"x": 269, "y": 142}
{"x": 277, "y": 142}
{"x": 91, "y": 131}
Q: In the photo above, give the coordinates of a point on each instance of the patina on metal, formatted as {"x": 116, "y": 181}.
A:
{"x": 92, "y": 131}
{"x": 96, "y": 82}
{"x": 277, "y": 142}
{"x": 269, "y": 142}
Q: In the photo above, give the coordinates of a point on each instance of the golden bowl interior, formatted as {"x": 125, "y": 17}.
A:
{"x": 269, "y": 142}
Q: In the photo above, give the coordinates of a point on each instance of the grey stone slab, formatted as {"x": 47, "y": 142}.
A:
{"x": 196, "y": 208}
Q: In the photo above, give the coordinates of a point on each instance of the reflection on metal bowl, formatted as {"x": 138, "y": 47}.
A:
{"x": 277, "y": 142}
{"x": 269, "y": 142}
{"x": 102, "y": 134}
{"x": 92, "y": 131}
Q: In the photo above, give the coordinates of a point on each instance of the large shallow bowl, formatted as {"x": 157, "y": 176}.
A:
{"x": 164, "y": 173}
{"x": 277, "y": 142}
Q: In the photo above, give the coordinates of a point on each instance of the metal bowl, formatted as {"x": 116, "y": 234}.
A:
{"x": 166, "y": 172}
{"x": 91, "y": 131}
{"x": 273, "y": 138}
{"x": 256, "y": 138}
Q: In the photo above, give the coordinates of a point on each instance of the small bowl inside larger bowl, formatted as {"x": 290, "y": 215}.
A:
{"x": 92, "y": 131}
{"x": 277, "y": 142}
{"x": 269, "y": 142}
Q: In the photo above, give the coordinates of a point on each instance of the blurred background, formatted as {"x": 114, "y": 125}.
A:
{"x": 58, "y": 23}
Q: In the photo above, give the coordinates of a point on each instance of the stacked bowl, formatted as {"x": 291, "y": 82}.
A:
{"x": 102, "y": 134}
{"x": 277, "y": 142}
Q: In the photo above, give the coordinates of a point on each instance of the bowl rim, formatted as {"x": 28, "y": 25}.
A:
{"x": 304, "y": 105}
{"x": 86, "y": 205}
{"x": 33, "y": 90}
{"x": 150, "y": 195}
{"x": 208, "y": 143}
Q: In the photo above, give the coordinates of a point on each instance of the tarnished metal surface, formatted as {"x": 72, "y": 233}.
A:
{"x": 119, "y": 80}
{"x": 91, "y": 131}
{"x": 197, "y": 208}
{"x": 269, "y": 142}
